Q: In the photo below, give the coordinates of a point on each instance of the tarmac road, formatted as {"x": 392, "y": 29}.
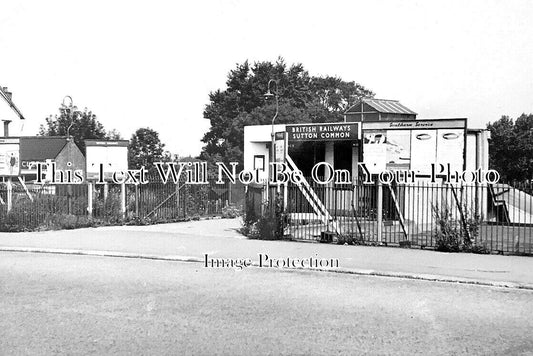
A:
{"x": 52, "y": 304}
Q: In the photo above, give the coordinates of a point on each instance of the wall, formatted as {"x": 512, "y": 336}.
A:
{"x": 257, "y": 142}
{"x": 70, "y": 153}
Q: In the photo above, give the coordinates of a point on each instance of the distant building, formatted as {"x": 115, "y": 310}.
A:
{"x": 48, "y": 149}
{"x": 369, "y": 110}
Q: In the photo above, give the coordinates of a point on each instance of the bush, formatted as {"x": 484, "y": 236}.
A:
{"x": 230, "y": 212}
{"x": 67, "y": 222}
{"x": 453, "y": 236}
{"x": 10, "y": 223}
{"x": 345, "y": 240}
{"x": 268, "y": 226}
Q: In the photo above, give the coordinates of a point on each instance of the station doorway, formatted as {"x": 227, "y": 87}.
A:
{"x": 306, "y": 154}
{"x": 339, "y": 154}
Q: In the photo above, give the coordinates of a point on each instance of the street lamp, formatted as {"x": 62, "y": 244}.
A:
{"x": 71, "y": 109}
{"x": 269, "y": 95}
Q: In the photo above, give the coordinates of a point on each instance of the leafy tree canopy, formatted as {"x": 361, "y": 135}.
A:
{"x": 83, "y": 126}
{"x": 302, "y": 98}
{"x": 146, "y": 148}
{"x": 511, "y": 147}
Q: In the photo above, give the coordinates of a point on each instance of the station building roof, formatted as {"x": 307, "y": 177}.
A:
{"x": 384, "y": 106}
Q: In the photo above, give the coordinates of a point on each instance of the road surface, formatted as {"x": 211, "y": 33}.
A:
{"x": 51, "y": 304}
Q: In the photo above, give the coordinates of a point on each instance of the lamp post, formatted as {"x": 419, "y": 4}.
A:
{"x": 71, "y": 109}
{"x": 269, "y": 95}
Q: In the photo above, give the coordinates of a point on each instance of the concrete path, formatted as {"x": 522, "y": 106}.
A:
{"x": 190, "y": 241}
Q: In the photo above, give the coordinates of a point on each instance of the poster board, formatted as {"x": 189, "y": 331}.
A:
{"x": 9, "y": 157}
{"x": 279, "y": 147}
{"x": 424, "y": 150}
{"x": 375, "y": 155}
{"x": 387, "y": 149}
{"x": 112, "y": 154}
{"x": 450, "y": 148}
{"x": 414, "y": 144}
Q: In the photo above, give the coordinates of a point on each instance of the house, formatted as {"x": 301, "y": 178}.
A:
{"x": 47, "y": 149}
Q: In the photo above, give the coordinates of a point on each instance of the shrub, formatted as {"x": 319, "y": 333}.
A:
{"x": 454, "y": 236}
{"x": 67, "y": 222}
{"x": 10, "y": 223}
{"x": 268, "y": 226}
{"x": 346, "y": 240}
{"x": 230, "y": 212}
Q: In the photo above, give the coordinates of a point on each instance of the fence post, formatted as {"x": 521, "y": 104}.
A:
{"x": 123, "y": 200}
{"x": 177, "y": 199}
{"x": 185, "y": 200}
{"x": 137, "y": 197}
{"x": 69, "y": 199}
{"x": 106, "y": 192}
{"x": 9, "y": 195}
{"x": 90, "y": 199}
{"x": 379, "y": 211}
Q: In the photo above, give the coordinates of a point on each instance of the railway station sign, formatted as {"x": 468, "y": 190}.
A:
{"x": 324, "y": 132}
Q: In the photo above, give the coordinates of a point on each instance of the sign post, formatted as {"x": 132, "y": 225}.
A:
{"x": 9, "y": 195}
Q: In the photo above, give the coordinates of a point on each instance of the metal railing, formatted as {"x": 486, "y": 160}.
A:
{"x": 33, "y": 206}
{"x": 494, "y": 218}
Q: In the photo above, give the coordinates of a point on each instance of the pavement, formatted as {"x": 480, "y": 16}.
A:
{"x": 219, "y": 238}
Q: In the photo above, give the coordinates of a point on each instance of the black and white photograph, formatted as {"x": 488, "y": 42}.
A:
{"x": 229, "y": 177}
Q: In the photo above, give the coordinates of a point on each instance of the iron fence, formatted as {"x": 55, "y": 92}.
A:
{"x": 495, "y": 218}
{"x": 34, "y": 206}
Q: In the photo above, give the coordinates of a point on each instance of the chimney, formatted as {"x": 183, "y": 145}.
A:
{"x": 9, "y": 94}
{"x": 6, "y": 127}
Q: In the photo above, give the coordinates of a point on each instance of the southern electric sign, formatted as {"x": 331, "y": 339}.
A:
{"x": 324, "y": 132}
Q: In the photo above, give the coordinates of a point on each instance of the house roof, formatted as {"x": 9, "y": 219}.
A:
{"x": 41, "y": 148}
{"x": 382, "y": 106}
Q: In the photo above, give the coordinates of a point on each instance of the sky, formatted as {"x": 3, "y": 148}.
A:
{"x": 153, "y": 63}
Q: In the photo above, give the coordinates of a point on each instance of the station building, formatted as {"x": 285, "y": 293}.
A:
{"x": 382, "y": 135}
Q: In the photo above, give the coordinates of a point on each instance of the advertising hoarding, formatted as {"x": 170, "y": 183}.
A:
{"x": 9, "y": 157}
{"x": 450, "y": 148}
{"x": 393, "y": 147}
{"x": 111, "y": 154}
{"x": 414, "y": 144}
{"x": 424, "y": 148}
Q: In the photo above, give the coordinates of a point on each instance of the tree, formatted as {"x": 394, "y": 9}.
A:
{"x": 145, "y": 148}
{"x": 113, "y": 135}
{"x": 302, "y": 98}
{"x": 511, "y": 147}
{"x": 81, "y": 125}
